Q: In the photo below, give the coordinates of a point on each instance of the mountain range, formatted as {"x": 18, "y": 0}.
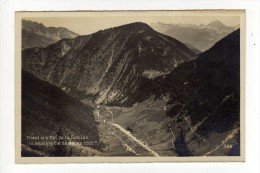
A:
{"x": 37, "y": 35}
{"x": 108, "y": 64}
{"x": 198, "y": 37}
{"x": 153, "y": 85}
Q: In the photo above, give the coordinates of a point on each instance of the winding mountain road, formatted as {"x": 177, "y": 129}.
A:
{"x": 135, "y": 139}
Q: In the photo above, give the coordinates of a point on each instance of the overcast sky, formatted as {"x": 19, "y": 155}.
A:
{"x": 88, "y": 24}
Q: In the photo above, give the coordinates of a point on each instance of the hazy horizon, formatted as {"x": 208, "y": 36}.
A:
{"x": 90, "y": 24}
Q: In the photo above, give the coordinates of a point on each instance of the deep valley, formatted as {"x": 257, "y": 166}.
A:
{"x": 133, "y": 92}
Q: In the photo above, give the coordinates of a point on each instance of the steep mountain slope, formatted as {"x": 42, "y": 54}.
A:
{"x": 37, "y": 35}
{"x": 107, "y": 65}
{"x": 201, "y": 37}
{"x": 205, "y": 94}
{"x": 48, "y": 111}
{"x": 209, "y": 85}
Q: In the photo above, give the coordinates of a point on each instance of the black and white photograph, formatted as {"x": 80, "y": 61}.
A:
{"x": 158, "y": 85}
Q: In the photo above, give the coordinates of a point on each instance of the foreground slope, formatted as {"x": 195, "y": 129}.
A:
{"x": 48, "y": 111}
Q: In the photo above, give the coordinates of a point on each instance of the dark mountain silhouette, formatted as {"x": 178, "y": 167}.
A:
{"x": 106, "y": 65}
{"x": 201, "y": 37}
{"x": 37, "y": 35}
{"x": 46, "y": 111}
{"x": 209, "y": 86}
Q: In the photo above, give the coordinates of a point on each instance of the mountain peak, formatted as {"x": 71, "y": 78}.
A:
{"x": 31, "y": 25}
{"x": 37, "y": 35}
{"x": 216, "y": 23}
{"x": 135, "y": 26}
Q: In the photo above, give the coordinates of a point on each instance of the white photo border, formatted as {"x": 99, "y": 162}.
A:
{"x": 7, "y": 81}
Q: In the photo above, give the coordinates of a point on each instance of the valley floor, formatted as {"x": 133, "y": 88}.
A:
{"x": 145, "y": 130}
{"x": 130, "y": 132}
